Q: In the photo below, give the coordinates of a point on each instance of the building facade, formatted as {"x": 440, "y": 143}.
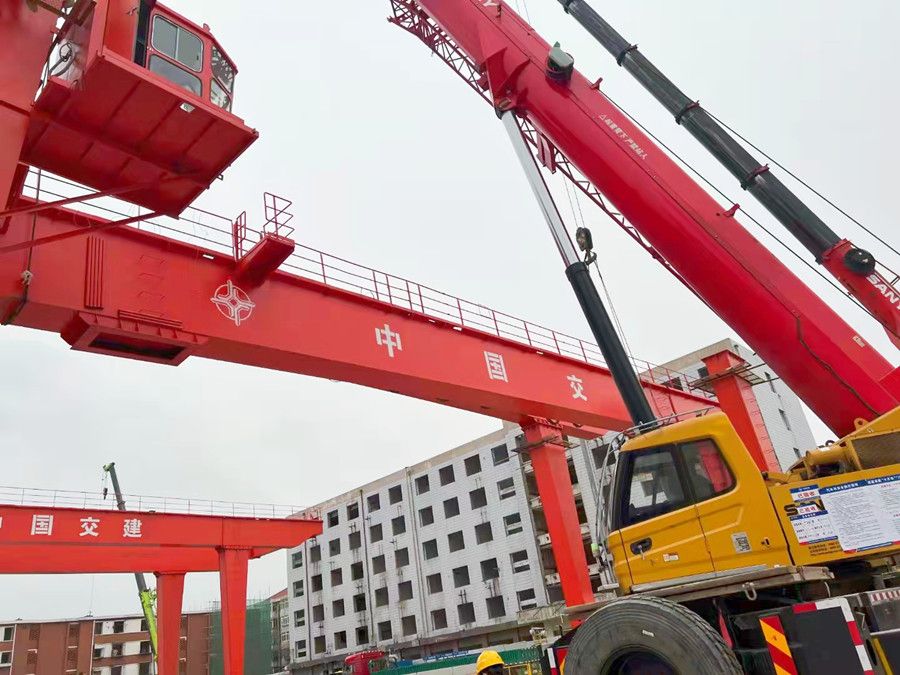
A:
{"x": 448, "y": 554}
{"x": 96, "y": 646}
{"x": 281, "y": 635}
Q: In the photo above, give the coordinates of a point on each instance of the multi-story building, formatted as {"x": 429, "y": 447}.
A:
{"x": 445, "y": 555}
{"x": 96, "y": 646}
{"x": 281, "y": 636}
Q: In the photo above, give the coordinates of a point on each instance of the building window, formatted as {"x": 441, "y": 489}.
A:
{"x": 340, "y": 640}
{"x": 297, "y": 559}
{"x": 495, "y": 608}
{"x": 300, "y": 648}
{"x": 506, "y": 488}
{"x": 333, "y": 518}
{"x": 430, "y": 549}
{"x": 398, "y": 525}
{"x": 526, "y": 598}
{"x": 7, "y": 633}
{"x": 352, "y": 511}
{"x": 456, "y": 541}
{"x": 318, "y": 613}
{"x": 334, "y": 547}
{"x": 356, "y": 571}
{"x": 490, "y": 569}
{"x": 599, "y": 452}
{"x": 315, "y": 583}
{"x": 446, "y": 475}
{"x": 438, "y": 619}
{"x": 359, "y": 602}
{"x": 373, "y": 502}
{"x": 118, "y": 627}
{"x": 483, "y": 533}
{"x": 315, "y": 554}
{"x": 512, "y": 523}
{"x": 98, "y": 652}
{"x": 519, "y": 560}
{"x": 478, "y": 498}
{"x": 375, "y": 533}
{"x": 319, "y": 644}
{"x": 473, "y": 465}
{"x": 797, "y": 453}
{"x": 381, "y": 596}
{"x": 144, "y": 668}
{"x": 451, "y": 507}
{"x": 784, "y": 419}
{"x": 354, "y": 540}
{"x": 500, "y": 453}
{"x": 337, "y": 577}
{"x": 409, "y": 624}
{"x": 702, "y": 372}
{"x": 362, "y": 636}
{"x": 298, "y": 589}
{"x": 384, "y": 631}
{"x": 674, "y": 383}
{"x": 395, "y": 494}
{"x": 466, "y": 613}
{"x": 461, "y": 577}
{"x": 299, "y": 618}
{"x": 401, "y": 557}
{"x": 337, "y": 608}
{"x": 5, "y": 657}
{"x": 435, "y": 583}
{"x": 771, "y": 382}
{"x": 404, "y": 590}
{"x": 378, "y": 564}
{"x": 426, "y": 516}
{"x": 422, "y": 485}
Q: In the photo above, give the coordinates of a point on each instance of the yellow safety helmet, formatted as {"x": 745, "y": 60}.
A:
{"x": 487, "y": 659}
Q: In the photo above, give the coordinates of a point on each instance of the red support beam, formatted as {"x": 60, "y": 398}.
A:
{"x": 131, "y": 293}
{"x": 727, "y": 373}
{"x": 551, "y": 471}
{"x": 169, "y": 594}
{"x": 233, "y": 585}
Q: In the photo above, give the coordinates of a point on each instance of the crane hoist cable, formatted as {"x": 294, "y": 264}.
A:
{"x": 802, "y": 182}
{"x": 750, "y": 216}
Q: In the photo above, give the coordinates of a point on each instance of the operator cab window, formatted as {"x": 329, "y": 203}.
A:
{"x": 182, "y": 47}
{"x": 664, "y": 479}
{"x": 221, "y": 87}
{"x": 654, "y": 488}
{"x": 707, "y": 471}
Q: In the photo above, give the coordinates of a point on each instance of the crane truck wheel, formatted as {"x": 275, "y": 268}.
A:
{"x": 639, "y": 635}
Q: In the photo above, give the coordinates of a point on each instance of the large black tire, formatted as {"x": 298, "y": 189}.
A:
{"x": 648, "y": 628}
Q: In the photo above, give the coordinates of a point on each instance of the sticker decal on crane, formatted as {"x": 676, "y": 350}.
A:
{"x": 852, "y": 517}
{"x": 233, "y": 303}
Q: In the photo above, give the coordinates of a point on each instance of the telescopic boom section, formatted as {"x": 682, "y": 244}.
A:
{"x": 819, "y": 355}
{"x": 854, "y": 267}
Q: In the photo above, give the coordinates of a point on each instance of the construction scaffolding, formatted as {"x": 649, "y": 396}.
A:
{"x": 258, "y": 643}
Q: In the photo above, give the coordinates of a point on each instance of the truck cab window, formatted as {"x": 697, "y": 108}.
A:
{"x": 653, "y": 488}
{"x": 707, "y": 471}
{"x": 177, "y": 43}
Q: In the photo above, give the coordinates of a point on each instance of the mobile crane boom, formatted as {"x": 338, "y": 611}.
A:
{"x": 854, "y": 267}
{"x": 821, "y": 357}
{"x": 144, "y": 593}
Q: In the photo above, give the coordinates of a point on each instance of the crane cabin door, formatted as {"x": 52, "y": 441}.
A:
{"x": 659, "y": 525}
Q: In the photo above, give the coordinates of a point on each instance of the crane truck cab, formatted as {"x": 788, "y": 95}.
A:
{"x": 719, "y": 564}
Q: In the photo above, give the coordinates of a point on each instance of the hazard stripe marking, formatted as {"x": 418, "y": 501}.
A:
{"x": 777, "y": 642}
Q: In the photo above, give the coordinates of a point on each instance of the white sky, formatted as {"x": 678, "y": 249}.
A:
{"x": 392, "y": 162}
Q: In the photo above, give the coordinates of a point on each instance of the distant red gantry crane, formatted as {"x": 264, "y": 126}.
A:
{"x": 137, "y": 105}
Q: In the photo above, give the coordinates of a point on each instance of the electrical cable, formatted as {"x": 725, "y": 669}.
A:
{"x": 802, "y": 182}
{"x": 697, "y": 173}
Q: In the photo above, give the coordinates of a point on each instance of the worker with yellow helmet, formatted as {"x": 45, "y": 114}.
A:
{"x": 489, "y": 663}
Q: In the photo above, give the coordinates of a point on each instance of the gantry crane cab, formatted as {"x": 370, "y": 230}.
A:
{"x": 136, "y": 99}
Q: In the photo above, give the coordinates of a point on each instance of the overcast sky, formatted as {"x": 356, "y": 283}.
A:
{"x": 393, "y": 162}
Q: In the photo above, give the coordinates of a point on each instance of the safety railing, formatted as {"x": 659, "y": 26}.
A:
{"x": 93, "y": 501}
{"x": 218, "y": 233}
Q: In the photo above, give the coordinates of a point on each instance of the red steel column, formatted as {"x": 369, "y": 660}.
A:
{"x": 169, "y": 594}
{"x": 738, "y": 401}
{"x": 233, "y": 589}
{"x": 548, "y": 457}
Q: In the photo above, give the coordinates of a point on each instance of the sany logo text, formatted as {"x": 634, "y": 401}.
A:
{"x": 886, "y": 290}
